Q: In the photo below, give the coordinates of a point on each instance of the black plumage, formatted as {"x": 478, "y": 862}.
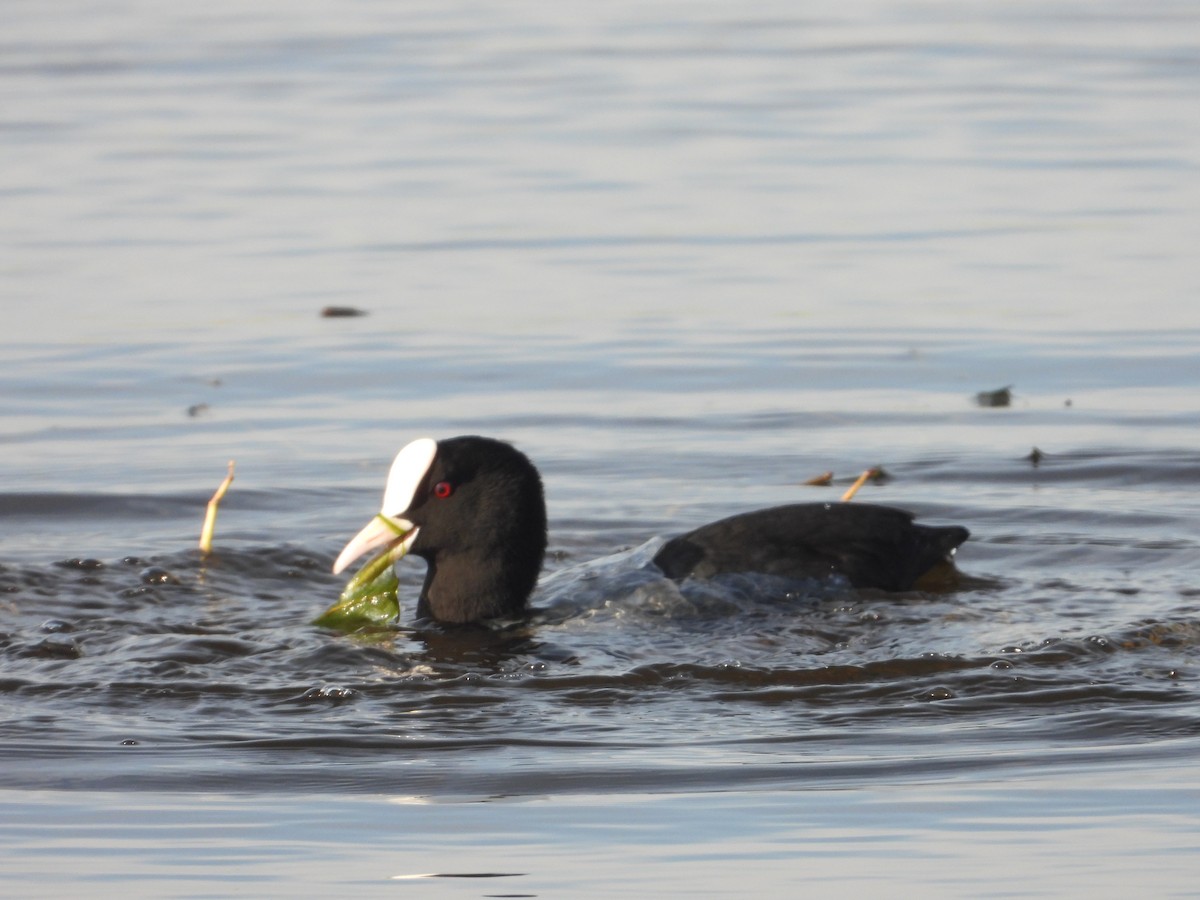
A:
{"x": 477, "y": 516}
{"x": 870, "y": 546}
{"x": 485, "y": 543}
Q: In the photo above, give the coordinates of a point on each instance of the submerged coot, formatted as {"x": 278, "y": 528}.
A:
{"x": 473, "y": 509}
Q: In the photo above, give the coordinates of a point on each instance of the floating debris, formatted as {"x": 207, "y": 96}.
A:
{"x": 1035, "y": 457}
{"x": 210, "y": 516}
{"x": 341, "y": 312}
{"x": 823, "y": 480}
{"x": 999, "y": 397}
{"x": 875, "y": 474}
{"x": 197, "y": 409}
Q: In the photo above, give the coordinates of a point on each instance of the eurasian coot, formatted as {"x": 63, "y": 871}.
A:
{"x": 473, "y": 509}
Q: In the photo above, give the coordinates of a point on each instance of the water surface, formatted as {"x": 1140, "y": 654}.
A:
{"x": 686, "y": 258}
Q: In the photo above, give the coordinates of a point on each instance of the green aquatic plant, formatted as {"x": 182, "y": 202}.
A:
{"x": 369, "y": 598}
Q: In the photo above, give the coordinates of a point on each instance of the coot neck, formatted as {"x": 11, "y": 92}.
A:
{"x": 463, "y": 587}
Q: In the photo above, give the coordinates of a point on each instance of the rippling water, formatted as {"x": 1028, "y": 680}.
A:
{"x": 686, "y": 258}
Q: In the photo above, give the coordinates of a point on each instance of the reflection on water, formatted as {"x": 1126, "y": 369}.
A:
{"x": 686, "y": 260}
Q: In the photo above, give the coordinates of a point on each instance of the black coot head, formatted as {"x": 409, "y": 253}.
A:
{"x": 473, "y": 509}
{"x": 480, "y": 496}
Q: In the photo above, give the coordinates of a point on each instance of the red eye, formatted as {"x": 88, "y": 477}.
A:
{"x": 443, "y": 489}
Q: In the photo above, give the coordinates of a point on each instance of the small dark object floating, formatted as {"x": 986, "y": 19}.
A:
{"x": 1035, "y": 457}
{"x": 341, "y": 312}
{"x": 999, "y": 397}
{"x": 473, "y": 509}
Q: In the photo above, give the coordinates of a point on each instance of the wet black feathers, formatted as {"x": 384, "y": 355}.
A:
{"x": 485, "y": 542}
{"x": 871, "y": 546}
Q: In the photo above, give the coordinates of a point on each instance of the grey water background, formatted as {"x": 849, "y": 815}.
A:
{"x": 686, "y": 256}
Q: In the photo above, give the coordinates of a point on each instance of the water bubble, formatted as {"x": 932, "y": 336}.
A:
{"x": 937, "y": 693}
{"x": 1100, "y": 641}
{"x": 327, "y": 692}
{"x": 77, "y": 563}
{"x": 157, "y": 575}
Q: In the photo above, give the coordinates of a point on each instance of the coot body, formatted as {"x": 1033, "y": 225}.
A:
{"x": 870, "y": 546}
{"x": 473, "y": 508}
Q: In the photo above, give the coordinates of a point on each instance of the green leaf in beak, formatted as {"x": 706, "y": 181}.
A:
{"x": 369, "y": 598}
